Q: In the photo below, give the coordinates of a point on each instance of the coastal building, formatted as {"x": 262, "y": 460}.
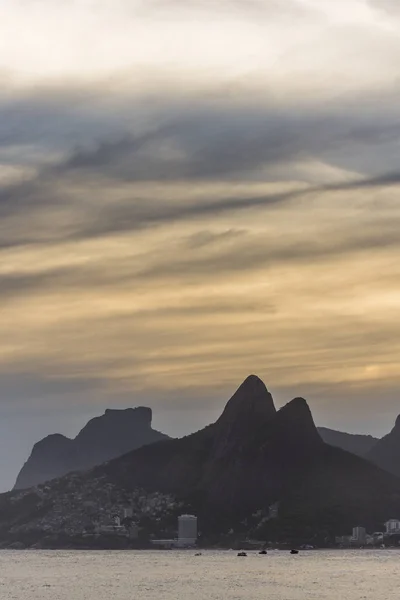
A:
{"x": 127, "y": 512}
{"x": 187, "y": 530}
{"x": 359, "y": 535}
{"x": 392, "y": 526}
{"x": 187, "y": 534}
{"x": 370, "y": 540}
{"x": 117, "y": 520}
{"x": 343, "y": 540}
{"x": 133, "y": 531}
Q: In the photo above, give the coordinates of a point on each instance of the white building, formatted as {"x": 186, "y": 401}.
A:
{"x": 117, "y": 520}
{"x": 359, "y": 535}
{"x": 187, "y": 530}
{"x": 127, "y": 512}
{"x": 392, "y": 526}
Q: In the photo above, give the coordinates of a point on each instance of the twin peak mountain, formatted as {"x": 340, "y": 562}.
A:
{"x": 251, "y": 457}
{"x": 119, "y": 432}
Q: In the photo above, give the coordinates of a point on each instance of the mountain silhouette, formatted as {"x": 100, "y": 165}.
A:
{"x": 356, "y": 443}
{"x": 103, "y": 438}
{"x": 254, "y": 455}
{"x": 386, "y": 452}
{"x": 251, "y": 457}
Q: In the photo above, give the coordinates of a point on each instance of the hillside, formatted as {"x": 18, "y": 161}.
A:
{"x": 386, "y": 453}
{"x": 351, "y": 442}
{"x": 103, "y": 438}
{"x": 229, "y": 473}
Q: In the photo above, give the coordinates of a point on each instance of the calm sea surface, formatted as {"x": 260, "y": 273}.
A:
{"x": 179, "y": 575}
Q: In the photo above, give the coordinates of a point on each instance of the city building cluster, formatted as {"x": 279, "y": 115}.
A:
{"x": 360, "y": 537}
{"x": 187, "y": 534}
{"x": 76, "y": 506}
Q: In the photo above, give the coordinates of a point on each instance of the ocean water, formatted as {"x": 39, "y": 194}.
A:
{"x": 180, "y": 575}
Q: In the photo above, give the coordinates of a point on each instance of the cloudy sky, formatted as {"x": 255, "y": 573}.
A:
{"x": 192, "y": 191}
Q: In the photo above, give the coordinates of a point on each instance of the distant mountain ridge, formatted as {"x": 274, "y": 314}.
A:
{"x": 103, "y": 438}
{"x": 228, "y": 473}
{"x": 386, "y": 452}
{"x": 358, "y": 444}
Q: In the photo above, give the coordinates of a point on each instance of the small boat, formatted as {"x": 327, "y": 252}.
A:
{"x": 294, "y": 551}
{"x": 262, "y": 552}
{"x": 242, "y": 554}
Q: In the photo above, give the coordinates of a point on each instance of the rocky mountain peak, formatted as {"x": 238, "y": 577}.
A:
{"x": 250, "y": 408}
{"x": 251, "y": 400}
{"x": 397, "y": 424}
{"x": 386, "y": 452}
{"x": 108, "y": 436}
{"x": 140, "y": 412}
{"x": 125, "y": 417}
{"x": 298, "y": 422}
{"x": 53, "y": 440}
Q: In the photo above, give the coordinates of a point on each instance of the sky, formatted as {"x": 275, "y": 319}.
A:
{"x": 190, "y": 192}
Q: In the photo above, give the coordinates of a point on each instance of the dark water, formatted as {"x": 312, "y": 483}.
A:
{"x": 179, "y": 575}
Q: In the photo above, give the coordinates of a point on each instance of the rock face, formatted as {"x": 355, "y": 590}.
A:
{"x": 250, "y": 400}
{"x": 360, "y": 445}
{"x": 113, "y": 434}
{"x": 51, "y": 457}
{"x": 251, "y": 403}
{"x": 386, "y": 452}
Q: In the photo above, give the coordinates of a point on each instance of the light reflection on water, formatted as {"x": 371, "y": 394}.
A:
{"x": 180, "y": 575}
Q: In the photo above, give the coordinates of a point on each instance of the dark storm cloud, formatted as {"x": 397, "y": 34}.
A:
{"x": 210, "y": 142}
{"x": 233, "y": 143}
{"x": 204, "y": 140}
{"x": 200, "y": 143}
{"x": 222, "y": 130}
{"x": 58, "y": 118}
{"x": 228, "y": 123}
